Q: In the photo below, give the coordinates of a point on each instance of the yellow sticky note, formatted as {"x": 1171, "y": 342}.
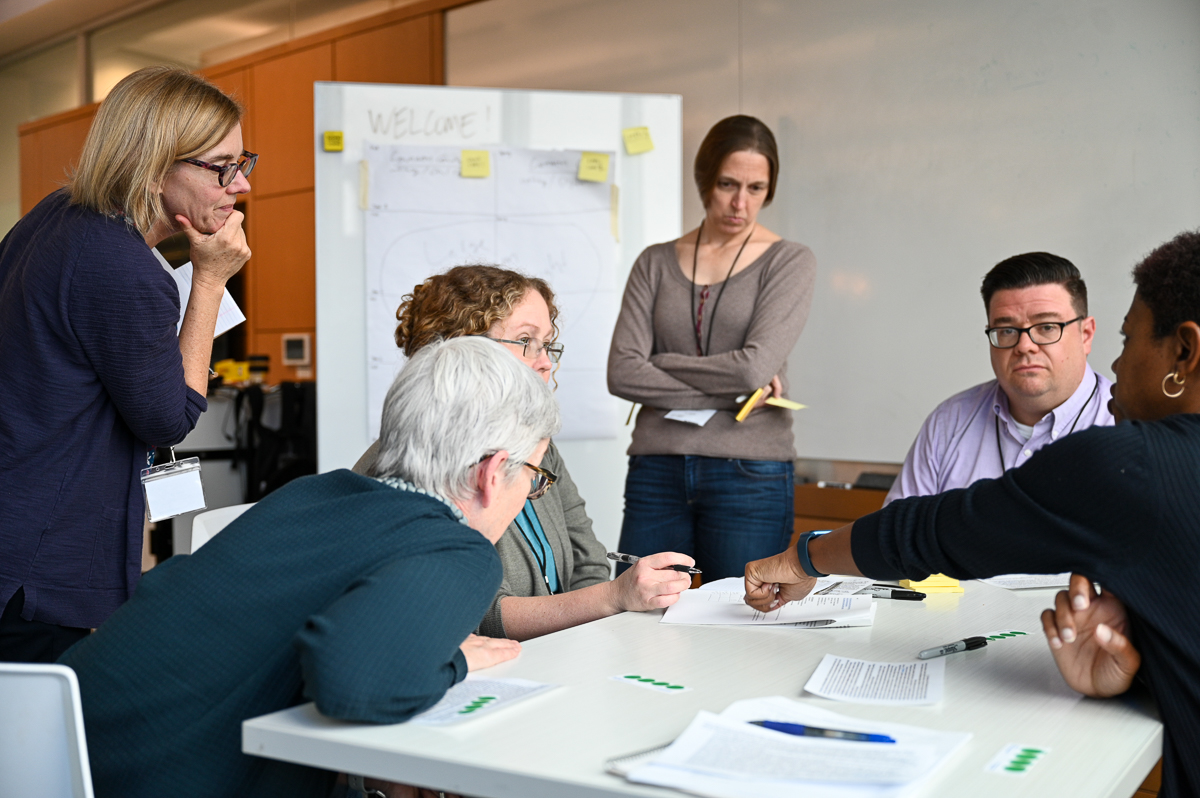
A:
{"x": 476, "y": 163}
{"x": 779, "y": 401}
{"x": 637, "y": 140}
{"x": 332, "y": 140}
{"x": 593, "y": 166}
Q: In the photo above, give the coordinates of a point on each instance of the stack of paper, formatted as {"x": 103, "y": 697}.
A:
{"x": 1027, "y": 581}
{"x": 724, "y": 756}
{"x": 863, "y": 614}
{"x": 722, "y": 608}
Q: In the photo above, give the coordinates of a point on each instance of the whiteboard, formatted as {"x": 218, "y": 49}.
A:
{"x": 387, "y": 116}
{"x": 921, "y": 142}
{"x": 531, "y": 213}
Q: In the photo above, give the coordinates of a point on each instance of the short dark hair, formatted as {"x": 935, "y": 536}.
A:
{"x": 734, "y": 134}
{"x": 1035, "y": 268}
{"x": 1168, "y": 281}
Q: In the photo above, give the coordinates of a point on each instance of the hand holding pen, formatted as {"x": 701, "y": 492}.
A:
{"x": 653, "y": 582}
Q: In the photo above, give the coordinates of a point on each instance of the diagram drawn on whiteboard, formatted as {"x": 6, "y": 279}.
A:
{"x": 531, "y": 214}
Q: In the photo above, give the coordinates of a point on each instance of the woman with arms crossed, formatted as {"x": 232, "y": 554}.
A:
{"x": 1119, "y": 506}
{"x": 555, "y": 572}
{"x": 706, "y": 321}
{"x": 97, "y": 373}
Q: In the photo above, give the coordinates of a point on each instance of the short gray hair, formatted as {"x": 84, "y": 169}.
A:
{"x": 456, "y": 402}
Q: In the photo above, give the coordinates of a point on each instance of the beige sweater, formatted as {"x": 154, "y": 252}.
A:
{"x": 653, "y": 357}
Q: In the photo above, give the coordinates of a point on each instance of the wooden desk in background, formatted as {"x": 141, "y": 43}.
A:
{"x": 830, "y": 508}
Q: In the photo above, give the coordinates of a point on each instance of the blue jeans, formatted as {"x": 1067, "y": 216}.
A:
{"x": 723, "y": 512}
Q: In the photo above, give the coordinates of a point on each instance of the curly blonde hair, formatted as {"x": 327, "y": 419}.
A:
{"x": 467, "y": 300}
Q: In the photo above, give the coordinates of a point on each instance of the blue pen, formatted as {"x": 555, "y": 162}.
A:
{"x": 800, "y": 730}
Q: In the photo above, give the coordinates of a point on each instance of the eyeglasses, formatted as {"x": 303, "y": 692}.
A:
{"x": 1043, "y": 333}
{"x": 225, "y": 174}
{"x": 531, "y": 348}
{"x": 539, "y": 483}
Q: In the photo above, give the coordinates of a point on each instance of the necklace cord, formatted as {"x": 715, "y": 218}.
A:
{"x": 712, "y": 319}
{"x": 1091, "y": 396}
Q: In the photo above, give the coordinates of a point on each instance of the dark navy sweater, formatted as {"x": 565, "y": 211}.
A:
{"x": 335, "y": 588}
{"x": 92, "y": 376}
{"x": 1120, "y": 505}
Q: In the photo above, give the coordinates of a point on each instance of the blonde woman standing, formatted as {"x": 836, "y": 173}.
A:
{"x": 98, "y": 374}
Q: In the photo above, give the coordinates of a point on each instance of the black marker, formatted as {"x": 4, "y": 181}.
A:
{"x": 967, "y": 644}
{"x": 631, "y": 559}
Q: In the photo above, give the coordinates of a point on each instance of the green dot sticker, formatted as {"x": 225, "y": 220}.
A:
{"x": 1016, "y": 760}
{"x": 650, "y": 683}
{"x": 1005, "y": 633}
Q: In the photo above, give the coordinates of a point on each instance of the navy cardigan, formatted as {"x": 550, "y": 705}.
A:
{"x": 92, "y": 378}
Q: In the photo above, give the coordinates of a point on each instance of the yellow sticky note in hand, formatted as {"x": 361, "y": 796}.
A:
{"x": 779, "y": 401}
{"x": 593, "y": 166}
{"x": 476, "y": 163}
{"x": 637, "y": 140}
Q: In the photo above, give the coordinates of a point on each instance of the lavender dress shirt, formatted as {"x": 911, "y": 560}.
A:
{"x": 972, "y": 436}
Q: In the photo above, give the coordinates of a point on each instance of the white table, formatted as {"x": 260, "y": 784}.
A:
{"x": 556, "y": 744}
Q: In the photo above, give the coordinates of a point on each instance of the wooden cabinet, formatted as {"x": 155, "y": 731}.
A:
{"x": 50, "y": 149}
{"x": 830, "y": 508}
{"x": 282, "y": 116}
{"x": 407, "y": 52}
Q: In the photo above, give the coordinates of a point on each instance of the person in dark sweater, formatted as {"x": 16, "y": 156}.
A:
{"x": 1119, "y": 506}
{"x": 357, "y": 593}
{"x": 97, "y": 371}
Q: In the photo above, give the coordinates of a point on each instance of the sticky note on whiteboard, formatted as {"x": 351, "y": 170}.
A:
{"x": 476, "y": 163}
{"x": 637, "y": 140}
{"x": 332, "y": 141}
{"x": 593, "y": 166}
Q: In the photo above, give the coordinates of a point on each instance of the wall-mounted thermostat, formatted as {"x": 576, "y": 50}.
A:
{"x": 297, "y": 349}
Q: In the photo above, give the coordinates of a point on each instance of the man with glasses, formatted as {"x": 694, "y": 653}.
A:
{"x": 1040, "y": 335}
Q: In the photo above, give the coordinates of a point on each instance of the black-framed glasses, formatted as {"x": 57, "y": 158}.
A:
{"x": 531, "y": 348}
{"x": 1042, "y": 333}
{"x": 539, "y": 483}
{"x": 226, "y": 173}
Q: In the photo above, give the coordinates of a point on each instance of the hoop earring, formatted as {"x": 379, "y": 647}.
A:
{"x": 1173, "y": 377}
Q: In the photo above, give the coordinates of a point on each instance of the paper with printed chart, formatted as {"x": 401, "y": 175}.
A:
{"x": 531, "y": 214}
{"x": 473, "y": 697}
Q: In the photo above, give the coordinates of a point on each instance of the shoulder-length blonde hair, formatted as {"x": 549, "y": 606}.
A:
{"x": 149, "y": 122}
{"x": 467, "y": 300}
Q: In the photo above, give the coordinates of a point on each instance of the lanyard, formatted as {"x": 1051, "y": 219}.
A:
{"x": 1078, "y": 415}
{"x": 541, "y": 553}
{"x": 712, "y": 319}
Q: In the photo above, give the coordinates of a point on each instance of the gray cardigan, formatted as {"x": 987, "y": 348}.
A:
{"x": 579, "y": 557}
{"x": 754, "y": 326}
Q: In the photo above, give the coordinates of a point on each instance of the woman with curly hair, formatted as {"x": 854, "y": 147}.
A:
{"x": 555, "y": 572}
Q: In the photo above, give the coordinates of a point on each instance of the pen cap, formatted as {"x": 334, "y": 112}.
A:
{"x": 975, "y": 642}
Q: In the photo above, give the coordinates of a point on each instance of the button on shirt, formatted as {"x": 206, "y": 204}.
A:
{"x": 957, "y": 443}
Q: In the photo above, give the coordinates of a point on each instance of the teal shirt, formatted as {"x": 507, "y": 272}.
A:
{"x": 336, "y": 589}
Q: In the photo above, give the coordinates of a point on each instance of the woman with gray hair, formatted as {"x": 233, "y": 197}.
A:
{"x": 99, "y": 372}
{"x": 353, "y": 592}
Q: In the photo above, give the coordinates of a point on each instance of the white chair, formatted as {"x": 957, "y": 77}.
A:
{"x": 43, "y": 750}
{"x": 206, "y": 525}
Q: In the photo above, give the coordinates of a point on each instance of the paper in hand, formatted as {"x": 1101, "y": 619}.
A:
{"x": 228, "y": 316}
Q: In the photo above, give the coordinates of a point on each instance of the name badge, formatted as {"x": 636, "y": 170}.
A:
{"x": 173, "y": 488}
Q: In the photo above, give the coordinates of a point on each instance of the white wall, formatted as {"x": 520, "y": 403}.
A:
{"x": 922, "y": 141}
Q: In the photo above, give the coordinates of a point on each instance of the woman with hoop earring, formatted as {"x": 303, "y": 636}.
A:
{"x": 705, "y": 322}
